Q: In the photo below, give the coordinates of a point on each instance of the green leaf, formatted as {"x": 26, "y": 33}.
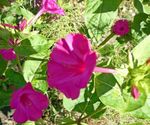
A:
{"x": 142, "y": 52}
{"x": 142, "y": 8}
{"x": 110, "y": 93}
{"x": 70, "y": 104}
{"x": 93, "y": 110}
{"x": 131, "y": 103}
{"x": 15, "y": 10}
{"x": 99, "y": 16}
{"x": 39, "y": 79}
{"x": 29, "y": 123}
{"x": 138, "y": 5}
{"x": 35, "y": 44}
{"x": 4, "y": 36}
{"x": 15, "y": 78}
{"x": 144, "y": 111}
{"x": 4, "y": 97}
{"x": 3, "y": 65}
{"x": 137, "y": 123}
{"x": 26, "y": 13}
{"x": 138, "y": 20}
{"x": 4, "y": 2}
{"x": 111, "y": 97}
{"x": 104, "y": 83}
{"x": 31, "y": 67}
{"x": 66, "y": 121}
{"x": 147, "y": 8}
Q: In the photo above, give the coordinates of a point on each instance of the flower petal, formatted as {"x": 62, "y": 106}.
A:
{"x": 81, "y": 46}
{"x": 85, "y": 77}
{"x": 34, "y": 113}
{"x": 20, "y": 114}
{"x": 39, "y": 100}
{"x": 70, "y": 90}
{"x": 59, "y": 74}
{"x": 62, "y": 53}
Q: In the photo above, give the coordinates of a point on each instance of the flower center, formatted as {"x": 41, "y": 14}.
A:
{"x": 82, "y": 68}
{"x": 25, "y": 100}
{"x": 121, "y": 28}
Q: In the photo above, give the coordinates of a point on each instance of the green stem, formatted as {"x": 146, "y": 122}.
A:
{"x": 119, "y": 86}
{"x": 87, "y": 116}
{"x": 105, "y": 41}
{"x": 19, "y": 64}
{"x": 37, "y": 59}
{"x": 80, "y": 118}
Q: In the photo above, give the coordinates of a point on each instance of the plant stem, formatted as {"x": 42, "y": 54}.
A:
{"x": 19, "y": 64}
{"x": 87, "y": 116}
{"x": 105, "y": 41}
{"x": 37, "y": 59}
{"x": 35, "y": 18}
{"x": 104, "y": 70}
{"x": 78, "y": 121}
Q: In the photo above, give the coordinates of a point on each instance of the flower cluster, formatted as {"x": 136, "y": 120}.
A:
{"x": 69, "y": 69}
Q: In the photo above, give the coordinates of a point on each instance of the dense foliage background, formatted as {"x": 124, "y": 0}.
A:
{"x": 107, "y": 100}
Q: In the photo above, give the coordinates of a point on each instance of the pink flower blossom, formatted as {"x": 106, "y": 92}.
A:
{"x": 28, "y": 104}
{"x": 8, "y": 54}
{"x": 121, "y": 27}
{"x": 48, "y": 6}
{"x": 135, "y": 92}
{"x": 71, "y": 65}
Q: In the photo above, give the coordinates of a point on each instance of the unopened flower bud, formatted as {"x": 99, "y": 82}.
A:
{"x": 121, "y": 27}
{"x": 135, "y": 92}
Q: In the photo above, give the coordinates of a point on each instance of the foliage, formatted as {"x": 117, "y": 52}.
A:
{"x": 127, "y": 54}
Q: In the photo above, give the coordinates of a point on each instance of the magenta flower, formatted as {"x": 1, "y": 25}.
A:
{"x": 135, "y": 92}
{"x": 8, "y": 54}
{"x": 71, "y": 65}
{"x": 121, "y": 27}
{"x": 48, "y": 6}
{"x": 28, "y": 104}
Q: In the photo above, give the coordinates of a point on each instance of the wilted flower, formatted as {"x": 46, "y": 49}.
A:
{"x": 21, "y": 26}
{"x": 148, "y": 61}
{"x": 48, "y": 6}
{"x": 28, "y": 104}
{"x": 121, "y": 27}
{"x": 135, "y": 92}
{"x": 9, "y": 25}
{"x": 8, "y": 54}
{"x": 13, "y": 42}
{"x": 71, "y": 65}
